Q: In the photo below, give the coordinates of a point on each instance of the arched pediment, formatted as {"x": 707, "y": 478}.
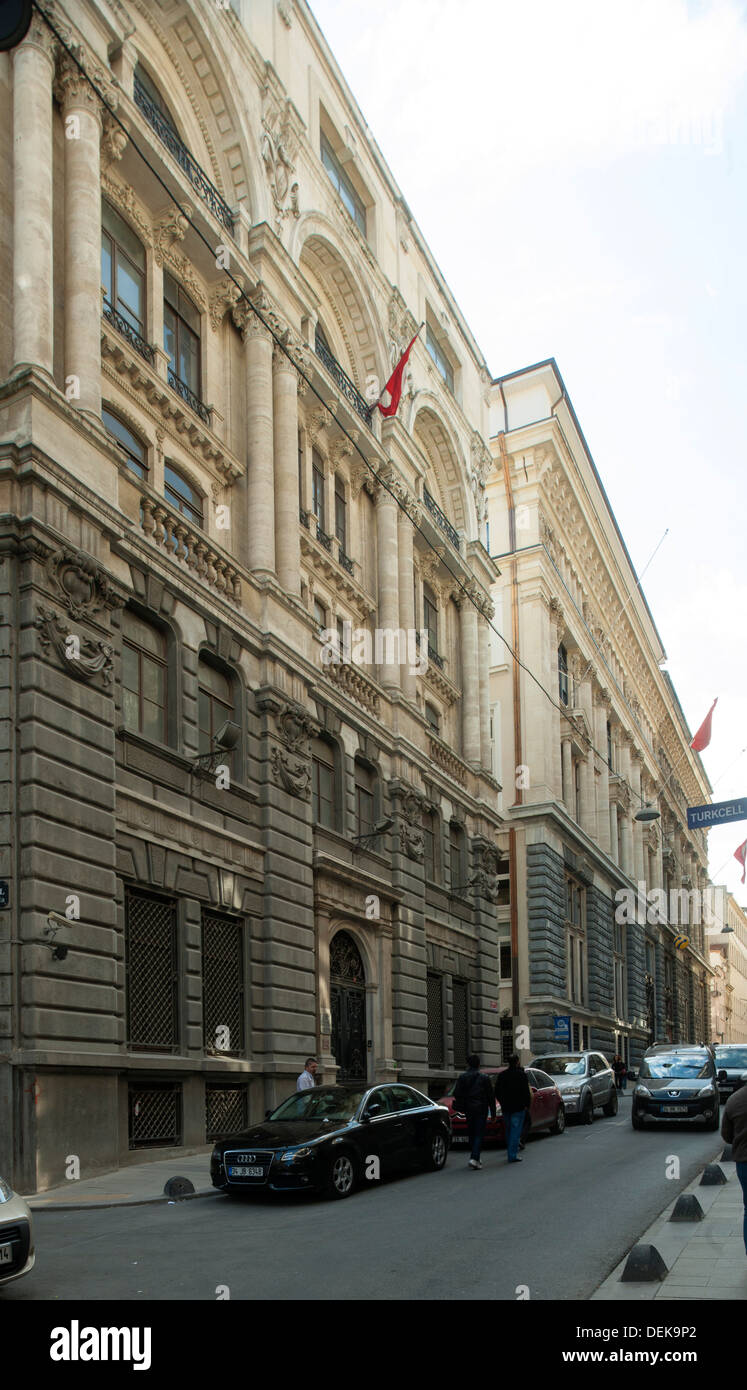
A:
{"x": 446, "y": 477}
{"x": 342, "y": 292}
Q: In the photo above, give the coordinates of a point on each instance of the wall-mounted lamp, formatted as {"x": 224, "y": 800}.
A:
{"x": 380, "y": 828}
{"x": 224, "y": 741}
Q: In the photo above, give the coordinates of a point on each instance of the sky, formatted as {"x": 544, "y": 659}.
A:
{"x": 578, "y": 172}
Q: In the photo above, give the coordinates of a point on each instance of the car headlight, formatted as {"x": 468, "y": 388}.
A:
{"x": 216, "y": 1156}
{"x": 291, "y": 1154}
{"x": 6, "y": 1191}
{"x": 708, "y": 1090}
{"x": 642, "y": 1091}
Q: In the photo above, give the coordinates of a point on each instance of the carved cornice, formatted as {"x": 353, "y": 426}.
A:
{"x": 224, "y": 296}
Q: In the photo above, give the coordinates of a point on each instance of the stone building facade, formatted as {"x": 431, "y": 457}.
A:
{"x": 587, "y": 732}
{"x": 728, "y": 955}
{"x": 224, "y": 853}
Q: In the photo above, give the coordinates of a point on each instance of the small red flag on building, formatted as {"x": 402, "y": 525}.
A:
{"x": 741, "y": 855}
{"x": 394, "y": 385}
{"x": 703, "y": 736}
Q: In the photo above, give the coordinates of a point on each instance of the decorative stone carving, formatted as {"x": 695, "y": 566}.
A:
{"x": 291, "y": 757}
{"x": 411, "y": 836}
{"x": 82, "y": 657}
{"x": 285, "y": 10}
{"x": 168, "y": 231}
{"x": 484, "y": 878}
{"x": 223, "y": 297}
{"x": 80, "y": 584}
{"x": 361, "y": 476}
{"x": 124, "y": 198}
{"x": 282, "y": 128}
{"x": 481, "y": 462}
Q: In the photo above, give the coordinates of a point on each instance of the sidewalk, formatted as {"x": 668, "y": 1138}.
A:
{"x": 705, "y": 1259}
{"x": 133, "y": 1186}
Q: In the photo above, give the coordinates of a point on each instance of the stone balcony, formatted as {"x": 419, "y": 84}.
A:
{"x": 188, "y": 546}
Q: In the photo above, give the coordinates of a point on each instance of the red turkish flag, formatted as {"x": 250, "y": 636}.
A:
{"x": 394, "y": 384}
{"x": 741, "y": 855}
{"x": 703, "y": 736}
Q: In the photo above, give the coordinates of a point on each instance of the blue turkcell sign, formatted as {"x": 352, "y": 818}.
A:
{"x": 562, "y": 1026}
{"x": 717, "y": 813}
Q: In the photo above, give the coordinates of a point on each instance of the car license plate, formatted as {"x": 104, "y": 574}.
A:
{"x": 674, "y": 1109}
{"x": 6, "y": 1254}
{"x": 246, "y": 1172}
{"x": 459, "y": 1139}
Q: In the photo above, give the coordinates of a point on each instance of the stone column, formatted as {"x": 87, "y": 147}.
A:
{"x": 406, "y": 594}
{"x": 259, "y": 446}
{"x": 470, "y": 683}
{"x": 483, "y": 658}
{"x": 285, "y": 384}
{"x": 588, "y": 810}
{"x": 638, "y": 857}
{"x": 600, "y": 739}
{"x": 33, "y": 317}
{"x": 613, "y": 832}
{"x": 82, "y": 121}
{"x": 627, "y": 865}
{"x": 387, "y": 619}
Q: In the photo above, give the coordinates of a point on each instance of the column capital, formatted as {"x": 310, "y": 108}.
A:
{"x": 72, "y": 88}
{"x": 40, "y": 36}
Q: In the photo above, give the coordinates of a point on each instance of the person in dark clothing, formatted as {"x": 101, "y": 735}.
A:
{"x": 734, "y": 1131}
{"x": 620, "y": 1070}
{"x": 514, "y": 1096}
{"x": 473, "y": 1097}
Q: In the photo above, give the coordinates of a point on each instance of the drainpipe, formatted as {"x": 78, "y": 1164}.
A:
{"x": 518, "y": 757}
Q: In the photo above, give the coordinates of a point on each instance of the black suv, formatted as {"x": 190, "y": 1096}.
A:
{"x": 677, "y": 1082}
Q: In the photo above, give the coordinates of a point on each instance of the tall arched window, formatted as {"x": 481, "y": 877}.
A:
{"x": 137, "y": 458}
{"x": 180, "y": 493}
{"x": 152, "y": 93}
{"x": 145, "y": 678}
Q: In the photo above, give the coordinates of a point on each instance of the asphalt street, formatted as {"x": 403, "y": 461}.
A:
{"x": 557, "y": 1223}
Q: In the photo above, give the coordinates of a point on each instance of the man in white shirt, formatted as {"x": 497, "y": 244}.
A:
{"x": 306, "y": 1080}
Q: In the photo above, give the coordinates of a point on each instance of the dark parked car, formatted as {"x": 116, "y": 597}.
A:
{"x": 676, "y": 1083}
{"x": 325, "y": 1140}
{"x": 547, "y": 1109}
{"x": 731, "y": 1066}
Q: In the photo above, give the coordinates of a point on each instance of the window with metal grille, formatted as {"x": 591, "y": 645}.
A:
{"x": 460, "y": 1004}
{"x": 222, "y": 984}
{"x": 152, "y": 1006}
{"x": 226, "y": 1110}
{"x": 435, "y": 1021}
{"x": 155, "y": 1115}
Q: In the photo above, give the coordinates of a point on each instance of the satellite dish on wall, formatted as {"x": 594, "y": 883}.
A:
{"x": 15, "y": 20}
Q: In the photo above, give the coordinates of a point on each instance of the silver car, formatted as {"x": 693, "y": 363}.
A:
{"x": 16, "y": 1235}
{"x": 731, "y": 1066}
{"x": 585, "y": 1080}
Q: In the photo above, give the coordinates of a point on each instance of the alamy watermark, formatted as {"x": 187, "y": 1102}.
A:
{"x": 680, "y": 907}
{"x": 385, "y": 646}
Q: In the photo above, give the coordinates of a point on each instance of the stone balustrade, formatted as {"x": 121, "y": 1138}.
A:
{"x": 448, "y": 762}
{"x": 173, "y": 533}
{"x": 352, "y": 681}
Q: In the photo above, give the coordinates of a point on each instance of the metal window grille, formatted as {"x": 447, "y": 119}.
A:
{"x": 460, "y": 1000}
{"x": 151, "y": 972}
{"x": 226, "y": 1110}
{"x": 155, "y": 1115}
{"x": 222, "y": 984}
{"x": 435, "y": 1021}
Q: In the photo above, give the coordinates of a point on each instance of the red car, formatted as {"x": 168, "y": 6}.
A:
{"x": 547, "y": 1110}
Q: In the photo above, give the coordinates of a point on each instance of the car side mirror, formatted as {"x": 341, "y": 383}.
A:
{"x": 267, "y": 1114}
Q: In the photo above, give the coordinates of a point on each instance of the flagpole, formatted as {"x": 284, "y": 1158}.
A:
{"x": 412, "y": 344}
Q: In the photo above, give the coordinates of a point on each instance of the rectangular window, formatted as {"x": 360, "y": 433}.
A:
{"x": 341, "y": 515}
{"x": 181, "y": 334}
{"x": 317, "y": 493}
{"x": 460, "y": 1005}
{"x": 350, "y": 198}
{"x": 151, "y": 972}
{"x": 144, "y": 679}
{"x": 443, "y": 365}
{"x": 505, "y": 960}
{"x": 215, "y": 706}
{"x": 364, "y": 799}
{"x": 609, "y": 746}
{"x": 435, "y": 1004}
{"x": 122, "y": 268}
{"x": 429, "y": 843}
{"x": 222, "y": 984}
{"x": 563, "y": 675}
{"x": 430, "y": 619}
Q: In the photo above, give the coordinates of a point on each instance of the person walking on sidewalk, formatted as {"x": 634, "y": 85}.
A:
{"x": 473, "y": 1096}
{"x": 621, "y": 1072}
{"x": 513, "y": 1094}
{"x": 734, "y": 1131}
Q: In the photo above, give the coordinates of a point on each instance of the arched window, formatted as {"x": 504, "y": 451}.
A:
{"x": 217, "y": 703}
{"x": 325, "y": 804}
{"x": 152, "y": 94}
{"x": 181, "y": 334}
{"x": 122, "y": 269}
{"x": 182, "y": 495}
{"x": 145, "y": 678}
{"x": 137, "y": 458}
{"x": 365, "y": 797}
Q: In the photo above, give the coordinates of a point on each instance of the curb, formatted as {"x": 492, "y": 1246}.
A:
{"x": 37, "y": 1204}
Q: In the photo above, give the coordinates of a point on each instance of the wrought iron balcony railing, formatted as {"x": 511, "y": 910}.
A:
{"x": 127, "y": 331}
{"x": 345, "y": 560}
{"x": 183, "y": 390}
{"x": 347, "y": 387}
{"x": 323, "y": 538}
{"x": 439, "y": 517}
{"x": 199, "y": 180}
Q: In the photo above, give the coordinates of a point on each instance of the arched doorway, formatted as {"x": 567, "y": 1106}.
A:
{"x": 347, "y": 979}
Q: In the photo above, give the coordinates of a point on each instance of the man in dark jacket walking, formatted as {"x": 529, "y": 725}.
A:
{"x": 514, "y": 1096}
{"x": 734, "y": 1131}
{"x": 473, "y": 1097}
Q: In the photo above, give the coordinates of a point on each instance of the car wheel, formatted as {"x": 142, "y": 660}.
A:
{"x": 587, "y": 1114}
{"x": 559, "y": 1125}
{"x": 611, "y": 1106}
{"x": 437, "y": 1152}
{"x": 714, "y": 1123}
{"x": 341, "y": 1177}
{"x": 637, "y": 1121}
